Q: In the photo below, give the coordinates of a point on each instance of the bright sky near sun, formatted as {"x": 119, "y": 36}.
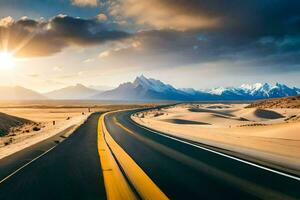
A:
{"x": 50, "y": 44}
{"x": 7, "y": 61}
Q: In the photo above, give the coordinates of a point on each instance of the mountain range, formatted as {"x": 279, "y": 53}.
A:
{"x": 148, "y": 89}
{"x": 19, "y": 93}
{"x": 78, "y": 91}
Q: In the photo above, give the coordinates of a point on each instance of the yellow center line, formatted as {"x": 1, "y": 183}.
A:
{"x": 115, "y": 183}
{"x": 120, "y": 125}
{"x": 245, "y": 185}
{"x": 145, "y": 187}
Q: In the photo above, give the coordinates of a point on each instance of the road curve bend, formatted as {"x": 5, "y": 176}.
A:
{"x": 183, "y": 170}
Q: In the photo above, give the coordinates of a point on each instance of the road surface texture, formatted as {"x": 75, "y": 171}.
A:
{"x": 188, "y": 171}
{"x": 70, "y": 170}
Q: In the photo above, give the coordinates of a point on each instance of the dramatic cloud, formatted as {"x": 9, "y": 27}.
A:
{"x": 169, "y": 48}
{"x": 170, "y": 33}
{"x": 252, "y": 33}
{"x": 102, "y": 17}
{"x": 163, "y": 14}
{"x": 27, "y": 37}
{"x": 91, "y": 3}
{"x": 239, "y": 16}
{"x": 6, "y": 21}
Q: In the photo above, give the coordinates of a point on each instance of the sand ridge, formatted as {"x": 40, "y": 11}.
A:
{"x": 9, "y": 122}
{"x": 263, "y": 133}
{"x": 26, "y": 135}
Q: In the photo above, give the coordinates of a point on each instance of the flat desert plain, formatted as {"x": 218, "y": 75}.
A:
{"x": 270, "y": 135}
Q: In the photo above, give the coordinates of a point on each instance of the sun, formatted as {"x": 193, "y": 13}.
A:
{"x": 7, "y": 61}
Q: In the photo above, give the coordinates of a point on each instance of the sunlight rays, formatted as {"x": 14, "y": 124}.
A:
{"x": 7, "y": 61}
{"x": 9, "y": 49}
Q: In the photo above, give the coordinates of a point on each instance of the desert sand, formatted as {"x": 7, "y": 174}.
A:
{"x": 24, "y": 136}
{"x": 270, "y": 135}
{"x": 68, "y": 115}
{"x": 286, "y": 102}
{"x": 8, "y": 122}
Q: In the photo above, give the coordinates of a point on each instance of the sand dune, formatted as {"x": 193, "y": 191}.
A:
{"x": 259, "y": 115}
{"x": 40, "y": 128}
{"x": 267, "y": 114}
{"x": 218, "y": 107}
{"x": 182, "y": 121}
{"x": 223, "y": 112}
{"x": 267, "y": 134}
{"x": 7, "y": 122}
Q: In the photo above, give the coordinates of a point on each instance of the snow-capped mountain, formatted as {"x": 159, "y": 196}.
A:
{"x": 152, "y": 84}
{"x": 148, "y": 89}
{"x": 255, "y": 91}
{"x": 143, "y": 88}
{"x": 190, "y": 91}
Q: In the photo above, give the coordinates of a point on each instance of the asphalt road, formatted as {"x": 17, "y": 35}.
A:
{"x": 188, "y": 171}
{"x": 182, "y": 170}
{"x": 71, "y": 170}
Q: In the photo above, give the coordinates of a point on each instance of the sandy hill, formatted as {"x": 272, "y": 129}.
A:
{"x": 270, "y": 135}
{"x": 287, "y": 102}
{"x": 8, "y": 121}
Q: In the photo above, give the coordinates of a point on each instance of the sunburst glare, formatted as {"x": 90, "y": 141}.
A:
{"x": 7, "y": 61}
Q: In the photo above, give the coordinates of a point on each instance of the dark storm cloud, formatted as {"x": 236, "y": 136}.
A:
{"x": 259, "y": 32}
{"x": 249, "y": 17}
{"x": 41, "y": 38}
{"x": 171, "y": 48}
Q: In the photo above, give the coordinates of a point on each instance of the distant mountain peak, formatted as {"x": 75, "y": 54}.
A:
{"x": 19, "y": 93}
{"x": 217, "y": 90}
{"x": 78, "y": 91}
{"x": 151, "y": 84}
{"x": 142, "y": 77}
{"x": 80, "y": 85}
{"x": 255, "y": 86}
{"x": 140, "y": 80}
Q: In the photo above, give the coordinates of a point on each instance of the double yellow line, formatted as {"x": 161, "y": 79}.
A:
{"x": 116, "y": 184}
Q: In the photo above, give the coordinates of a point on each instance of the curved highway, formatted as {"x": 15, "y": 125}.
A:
{"x": 50, "y": 170}
{"x": 138, "y": 161}
{"x": 184, "y": 170}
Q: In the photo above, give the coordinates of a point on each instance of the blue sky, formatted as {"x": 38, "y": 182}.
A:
{"x": 194, "y": 43}
{"x": 45, "y": 8}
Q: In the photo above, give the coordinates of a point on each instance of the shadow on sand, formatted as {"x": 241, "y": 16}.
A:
{"x": 226, "y": 113}
{"x": 267, "y": 114}
{"x": 183, "y": 121}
